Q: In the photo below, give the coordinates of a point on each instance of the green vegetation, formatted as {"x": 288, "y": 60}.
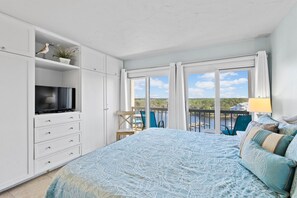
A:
{"x": 197, "y": 103}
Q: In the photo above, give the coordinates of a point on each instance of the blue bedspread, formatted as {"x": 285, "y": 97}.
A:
{"x": 160, "y": 163}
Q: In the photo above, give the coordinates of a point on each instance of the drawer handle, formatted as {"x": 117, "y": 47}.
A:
{"x": 48, "y": 133}
{"x": 49, "y": 162}
{"x": 71, "y": 128}
{"x": 3, "y": 47}
{"x": 48, "y": 121}
{"x": 71, "y": 141}
{"x": 49, "y": 147}
{"x": 71, "y": 117}
{"x": 71, "y": 153}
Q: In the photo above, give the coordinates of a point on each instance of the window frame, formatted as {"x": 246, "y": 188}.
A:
{"x": 147, "y": 74}
{"x": 216, "y": 66}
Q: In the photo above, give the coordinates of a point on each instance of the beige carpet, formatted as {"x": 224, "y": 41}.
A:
{"x": 35, "y": 188}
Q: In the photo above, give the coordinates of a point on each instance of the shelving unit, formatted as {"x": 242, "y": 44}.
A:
{"x": 53, "y": 65}
{"x": 49, "y": 71}
{"x": 44, "y": 36}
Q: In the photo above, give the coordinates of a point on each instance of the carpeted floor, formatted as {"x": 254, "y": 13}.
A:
{"x": 35, "y": 188}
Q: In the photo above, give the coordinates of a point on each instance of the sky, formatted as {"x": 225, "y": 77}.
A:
{"x": 232, "y": 85}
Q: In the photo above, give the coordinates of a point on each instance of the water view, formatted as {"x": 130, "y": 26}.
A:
{"x": 234, "y": 94}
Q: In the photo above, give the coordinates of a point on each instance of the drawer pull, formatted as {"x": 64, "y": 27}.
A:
{"x": 71, "y": 153}
{"x": 71, "y": 117}
{"x": 3, "y": 47}
{"x": 71, "y": 128}
{"x": 48, "y": 133}
{"x": 49, "y": 147}
{"x": 48, "y": 121}
{"x": 71, "y": 141}
{"x": 49, "y": 162}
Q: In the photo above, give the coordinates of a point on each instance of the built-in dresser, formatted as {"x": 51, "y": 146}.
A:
{"x": 57, "y": 139}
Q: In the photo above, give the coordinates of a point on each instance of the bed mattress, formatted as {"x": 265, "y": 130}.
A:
{"x": 160, "y": 163}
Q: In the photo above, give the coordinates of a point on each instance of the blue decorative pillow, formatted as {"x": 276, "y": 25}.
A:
{"x": 273, "y": 142}
{"x": 288, "y": 129}
{"x": 267, "y": 119}
{"x": 292, "y": 154}
{"x": 275, "y": 171}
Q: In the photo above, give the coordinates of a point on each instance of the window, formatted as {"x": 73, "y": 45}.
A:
{"x": 150, "y": 91}
{"x": 217, "y": 92}
{"x": 234, "y": 94}
{"x": 201, "y": 101}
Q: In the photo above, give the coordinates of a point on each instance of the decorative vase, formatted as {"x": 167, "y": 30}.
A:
{"x": 65, "y": 60}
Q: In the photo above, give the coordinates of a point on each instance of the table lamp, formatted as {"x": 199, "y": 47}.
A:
{"x": 259, "y": 105}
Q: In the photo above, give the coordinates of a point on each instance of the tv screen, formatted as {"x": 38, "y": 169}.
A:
{"x": 54, "y": 99}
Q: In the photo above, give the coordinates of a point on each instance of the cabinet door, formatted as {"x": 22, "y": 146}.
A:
{"x": 112, "y": 105}
{"x": 92, "y": 60}
{"x": 16, "y": 36}
{"x": 93, "y": 135}
{"x": 16, "y": 119}
{"x": 113, "y": 66}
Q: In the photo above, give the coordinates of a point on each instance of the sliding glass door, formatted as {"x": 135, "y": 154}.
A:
{"x": 217, "y": 94}
{"x": 150, "y": 94}
{"x": 138, "y": 100}
{"x": 234, "y": 94}
{"x": 201, "y": 101}
{"x": 159, "y": 93}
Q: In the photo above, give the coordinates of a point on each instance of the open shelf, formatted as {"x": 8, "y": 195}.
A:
{"x": 53, "y": 65}
{"x": 56, "y": 41}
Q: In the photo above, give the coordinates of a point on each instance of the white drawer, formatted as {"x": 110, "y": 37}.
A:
{"x": 52, "y": 119}
{"x": 56, "y": 131}
{"x": 57, "y": 159}
{"x": 49, "y": 147}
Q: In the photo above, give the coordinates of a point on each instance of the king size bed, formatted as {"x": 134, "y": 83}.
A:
{"x": 161, "y": 163}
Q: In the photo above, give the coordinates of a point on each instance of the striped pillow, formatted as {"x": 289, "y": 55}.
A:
{"x": 272, "y": 142}
{"x": 255, "y": 126}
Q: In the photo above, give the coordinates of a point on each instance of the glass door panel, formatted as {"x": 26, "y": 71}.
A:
{"x": 138, "y": 100}
{"x": 234, "y": 94}
{"x": 159, "y": 93}
{"x": 201, "y": 102}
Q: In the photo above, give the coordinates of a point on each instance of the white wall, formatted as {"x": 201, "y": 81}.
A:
{"x": 284, "y": 66}
{"x": 240, "y": 48}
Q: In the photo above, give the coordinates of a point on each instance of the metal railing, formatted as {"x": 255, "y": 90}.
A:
{"x": 198, "y": 119}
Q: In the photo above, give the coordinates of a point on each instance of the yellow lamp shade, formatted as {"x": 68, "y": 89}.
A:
{"x": 259, "y": 105}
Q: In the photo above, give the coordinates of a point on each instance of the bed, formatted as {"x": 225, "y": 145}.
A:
{"x": 161, "y": 163}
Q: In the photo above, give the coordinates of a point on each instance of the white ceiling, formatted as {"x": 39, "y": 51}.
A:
{"x": 138, "y": 28}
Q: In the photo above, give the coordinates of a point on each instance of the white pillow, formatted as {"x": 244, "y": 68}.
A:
{"x": 241, "y": 135}
{"x": 290, "y": 120}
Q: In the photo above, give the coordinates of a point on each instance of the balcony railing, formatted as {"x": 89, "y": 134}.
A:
{"x": 198, "y": 119}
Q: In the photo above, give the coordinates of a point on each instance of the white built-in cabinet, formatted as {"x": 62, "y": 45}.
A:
{"x": 112, "y": 105}
{"x": 93, "y": 111}
{"x": 16, "y": 37}
{"x": 113, "y": 66}
{"x": 16, "y": 104}
{"x": 33, "y": 144}
{"x": 57, "y": 140}
{"x": 100, "y": 100}
{"x": 92, "y": 60}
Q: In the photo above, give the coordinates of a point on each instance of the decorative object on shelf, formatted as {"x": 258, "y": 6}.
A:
{"x": 64, "y": 55}
{"x": 44, "y": 50}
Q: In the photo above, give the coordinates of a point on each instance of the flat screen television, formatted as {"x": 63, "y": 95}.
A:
{"x": 54, "y": 99}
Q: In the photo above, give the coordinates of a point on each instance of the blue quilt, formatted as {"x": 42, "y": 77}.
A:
{"x": 160, "y": 163}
